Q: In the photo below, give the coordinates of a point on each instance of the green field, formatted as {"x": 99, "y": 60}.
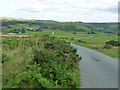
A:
{"x": 97, "y": 39}
{"x": 58, "y": 34}
{"x": 112, "y": 52}
{"x": 100, "y": 39}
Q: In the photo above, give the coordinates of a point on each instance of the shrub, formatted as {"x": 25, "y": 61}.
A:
{"x": 31, "y": 76}
{"x": 4, "y": 58}
{"x": 107, "y": 46}
{"x": 74, "y": 32}
{"x": 52, "y": 64}
{"x": 72, "y": 38}
{"x": 118, "y": 43}
{"x": 80, "y": 41}
{"x": 112, "y": 42}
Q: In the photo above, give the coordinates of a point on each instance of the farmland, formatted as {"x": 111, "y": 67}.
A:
{"x": 97, "y": 41}
{"x": 37, "y": 59}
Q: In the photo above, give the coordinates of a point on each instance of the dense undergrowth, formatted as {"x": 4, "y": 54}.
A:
{"x": 39, "y": 62}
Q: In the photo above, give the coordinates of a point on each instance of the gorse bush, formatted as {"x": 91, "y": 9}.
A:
{"x": 107, "y": 46}
{"x": 56, "y": 65}
{"x": 30, "y": 78}
{"x": 53, "y": 63}
{"x": 113, "y": 43}
{"x": 5, "y": 58}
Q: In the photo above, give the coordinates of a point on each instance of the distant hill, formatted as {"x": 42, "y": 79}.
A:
{"x": 7, "y": 18}
{"x": 13, "y": 25}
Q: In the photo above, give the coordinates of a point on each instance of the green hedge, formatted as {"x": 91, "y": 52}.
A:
{"x": 54, "y": 63}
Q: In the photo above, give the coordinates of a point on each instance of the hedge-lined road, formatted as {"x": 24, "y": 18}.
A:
{"x": 97, "y": 70}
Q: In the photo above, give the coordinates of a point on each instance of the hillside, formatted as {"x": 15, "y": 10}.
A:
{"x": 11, "y": 25}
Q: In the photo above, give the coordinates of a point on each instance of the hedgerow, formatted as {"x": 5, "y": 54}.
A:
{"x": 53, "y": 63}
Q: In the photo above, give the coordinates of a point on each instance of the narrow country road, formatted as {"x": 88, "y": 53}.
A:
{"x": 97, "y": 70}
{"x": 84, "y": 37}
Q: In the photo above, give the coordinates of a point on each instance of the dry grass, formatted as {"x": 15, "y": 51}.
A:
{"x": 94, "y": 45}
{"x": 8, "y": 18}
{"x": 17, "y": 35}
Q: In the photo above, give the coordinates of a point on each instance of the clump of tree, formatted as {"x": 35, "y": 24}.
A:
{"x": 14, "y": 30}
{"x": 74, "y": 32}
{"x": 113, "y": 43}
{"x": 119, "y": 34}
{"x": 107, "y": 46}
{"x": 80, "y": 41}
{"x": 88, "y": 33}
{"x": 92, "y": 32}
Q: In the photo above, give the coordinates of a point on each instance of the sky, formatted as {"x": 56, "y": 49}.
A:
{"x": 61, "y": 10}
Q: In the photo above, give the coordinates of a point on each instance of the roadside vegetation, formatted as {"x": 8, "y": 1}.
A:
{"x": 39, "y": 62}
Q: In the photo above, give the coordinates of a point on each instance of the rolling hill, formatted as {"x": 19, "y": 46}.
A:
{"x": 12, "y": 25}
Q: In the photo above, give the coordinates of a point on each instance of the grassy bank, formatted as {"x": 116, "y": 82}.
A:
{"x": 39, "y": 62}
{"x": 112, "y": 52}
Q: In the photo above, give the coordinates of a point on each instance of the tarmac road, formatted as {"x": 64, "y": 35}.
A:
{"x": 97, "y": 70}
{"x": 84, "y": 37}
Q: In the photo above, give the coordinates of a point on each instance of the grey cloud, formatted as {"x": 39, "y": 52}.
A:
{"x": 109, "y": 9}
{"x": 112, "y": 9}
{"x": 28, "y": 9}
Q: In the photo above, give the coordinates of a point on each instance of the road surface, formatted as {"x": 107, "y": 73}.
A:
{"x": 97, "y": 70}
{"x": 84, "y": 37}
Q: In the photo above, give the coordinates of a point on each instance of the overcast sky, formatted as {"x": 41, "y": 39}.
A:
{"x": 61, "y": 10}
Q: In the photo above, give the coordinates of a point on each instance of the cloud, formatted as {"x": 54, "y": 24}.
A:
{"x": 62, "y": 10}
{"x": 29, "y": 9}
{"x": 113, "y": 9}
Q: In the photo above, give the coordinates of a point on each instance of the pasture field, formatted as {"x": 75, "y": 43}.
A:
{"x": 96, "y": 42}
{"x": 98, "y": 39}
{"x": 112, "y": 52}
{"x": 58, "y": 34}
